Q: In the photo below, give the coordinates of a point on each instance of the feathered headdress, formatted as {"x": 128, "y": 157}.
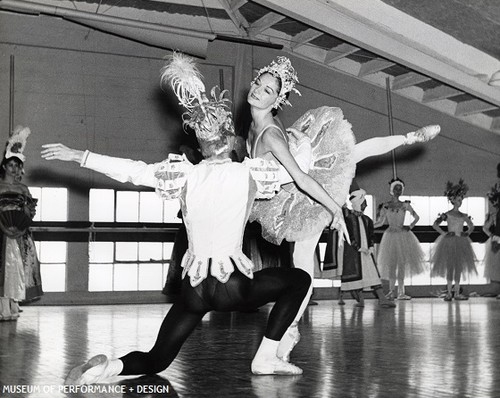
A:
{"x": 456, "y": 190}
{"x": 282, "y": 68}
{"x": 16, "y": 143}
{"x": 394, "y": 182}
{"x": 210, "y": 118}
{"x": 494, "y": 195}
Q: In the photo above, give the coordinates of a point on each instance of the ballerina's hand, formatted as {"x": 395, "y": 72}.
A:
{"x": 60, "y": 152}
{"x": 296, "y": 134}
{"x": 338, "y": 223}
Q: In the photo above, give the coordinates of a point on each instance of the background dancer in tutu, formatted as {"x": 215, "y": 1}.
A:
{"x": 216, "y": 196}
{"x": 359, "y": 271}
{"x": 492, "y": 229}
{"x": 399, "y": 252}
{"x": 453, "y": 256}
{"x": 19, "y": 267}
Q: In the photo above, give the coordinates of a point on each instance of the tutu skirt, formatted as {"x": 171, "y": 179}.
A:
{"x": 492, "y": 261}
{"x": 453, "y": 257}
{"x": 291, "y": 214}
{"x": 399, "y": 254}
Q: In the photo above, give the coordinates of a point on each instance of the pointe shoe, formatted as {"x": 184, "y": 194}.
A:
{"x": 404, "y": 297}
{"x": 390, "y": 296}
{"x": 423, "y": 134}
{"x": 90, "y": 372}
{"x": 274, "y": 366}
{"x": 289, "y": 340}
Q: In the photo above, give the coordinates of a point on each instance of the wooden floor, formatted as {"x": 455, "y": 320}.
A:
{"x": 422, "y": 348}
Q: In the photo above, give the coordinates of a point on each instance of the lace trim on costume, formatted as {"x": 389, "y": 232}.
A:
{"x": 172, "y": 175}
{"x": 266, "y": 176}
{"x": 221, "y": 268}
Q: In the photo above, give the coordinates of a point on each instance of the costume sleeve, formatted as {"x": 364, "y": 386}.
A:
{"x": 370, "y": 232}
{"x": 167, "y": 176}
{"x": 266, "y": 176}
{"x": 301, "y": 151}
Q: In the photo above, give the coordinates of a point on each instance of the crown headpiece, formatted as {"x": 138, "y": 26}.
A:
{"x": 16, "y": 143}
{"x": 456, "y": 190}
{"x": 210, "y": 118}
{"x": 494, "y": 195}
{"x": 282, "y": 68}
{"x": 394, "y": 182}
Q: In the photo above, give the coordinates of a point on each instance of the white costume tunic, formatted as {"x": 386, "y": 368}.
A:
{"x": 215, "y": 237}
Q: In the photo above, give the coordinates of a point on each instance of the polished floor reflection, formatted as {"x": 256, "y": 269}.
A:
{"x": 422, "y": 348}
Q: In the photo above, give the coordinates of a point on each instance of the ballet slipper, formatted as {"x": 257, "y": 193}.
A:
{"x": 96, "y": 369}
{"x": 274, "y": 366}
{"x": 288, "y": 342}
{"x": 423, "y": 134}
{"x": 266, "y": 361}
{"x": 404, "y": 297}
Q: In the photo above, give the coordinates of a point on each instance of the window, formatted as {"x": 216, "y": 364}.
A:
{"x": 129, "y": 266}
{"x": 52, "y": 206}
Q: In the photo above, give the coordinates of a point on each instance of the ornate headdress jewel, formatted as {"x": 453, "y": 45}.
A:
{"x": 210, "y": 118}
{"x": 16, "y": 143}
{"x": 494, "y": 195}
{"x": 282, "y": 68}
{"x": 393, "y": 183}
{"x": 456, "y": 190}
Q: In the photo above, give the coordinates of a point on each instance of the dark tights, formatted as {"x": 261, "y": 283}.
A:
{"x": 286, "y": 287}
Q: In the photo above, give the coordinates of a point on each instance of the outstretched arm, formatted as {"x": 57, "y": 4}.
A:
{"x": 123, "y": 170}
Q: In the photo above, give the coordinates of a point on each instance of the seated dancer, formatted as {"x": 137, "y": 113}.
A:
{"x": 317, "y": 159}
{"x": 216, "y": 196}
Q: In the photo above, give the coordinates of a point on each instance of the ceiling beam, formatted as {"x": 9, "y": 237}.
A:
{"x": 495, "y": 124}
{"x": 339, "y": 52}
{"x": 472, "y": 107}
{"x": 439, "y": 93}
{"x": 369, "y": 25}
{"x": 264, "y": 23}
{"x": 304, "y": 37}
{"x": 374, "y": 66}
{"x": 408, "y": 80}
{"x": 238, "y": 20}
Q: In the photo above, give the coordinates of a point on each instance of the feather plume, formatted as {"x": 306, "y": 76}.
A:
{"x": 186, "y": 80}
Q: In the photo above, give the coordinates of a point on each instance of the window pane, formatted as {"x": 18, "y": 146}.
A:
{"x": 127, "y": 206}
{"x": 52, "y": 252}
{"x": 101, "y": 252}
{"x": 100, "y": 277}
{"x": 369, "y": 211}
{"x": 170, "y": 210}
{"x": 53, "y": 277}
{"x": 102, "y": 205}
{"x": 150, "y": 207}
{"x": 438, "y": 205}
{"x": 476, "y": 208}
{"x": 126, "y": 251}
{"x": 150, "y": 276}
{"x": 167, "y": 249}
{"x": 150, "y": 251}
{"x": 54, "y": 204}
{"x": 125, "y": 277}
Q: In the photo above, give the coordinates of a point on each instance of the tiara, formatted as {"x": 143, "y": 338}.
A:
{"x": 210, "y": 118}
{"x": 282, "y": 68}
{"x": 494, "y": 195}
{"x": 16, "y": 143}
{"x": 456, "y": 190}
{"x": 394, "y": 182}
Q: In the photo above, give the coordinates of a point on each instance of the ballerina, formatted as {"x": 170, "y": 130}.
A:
{"x": 453, "y": 255}
{"x": 399, "y": 253}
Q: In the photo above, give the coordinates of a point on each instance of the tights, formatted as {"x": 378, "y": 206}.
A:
{"x": 286, "y": 287}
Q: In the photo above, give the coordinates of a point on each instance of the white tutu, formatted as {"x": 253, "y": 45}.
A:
{"x": 453, "y": 257}
{"x": 399, "y": 254}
